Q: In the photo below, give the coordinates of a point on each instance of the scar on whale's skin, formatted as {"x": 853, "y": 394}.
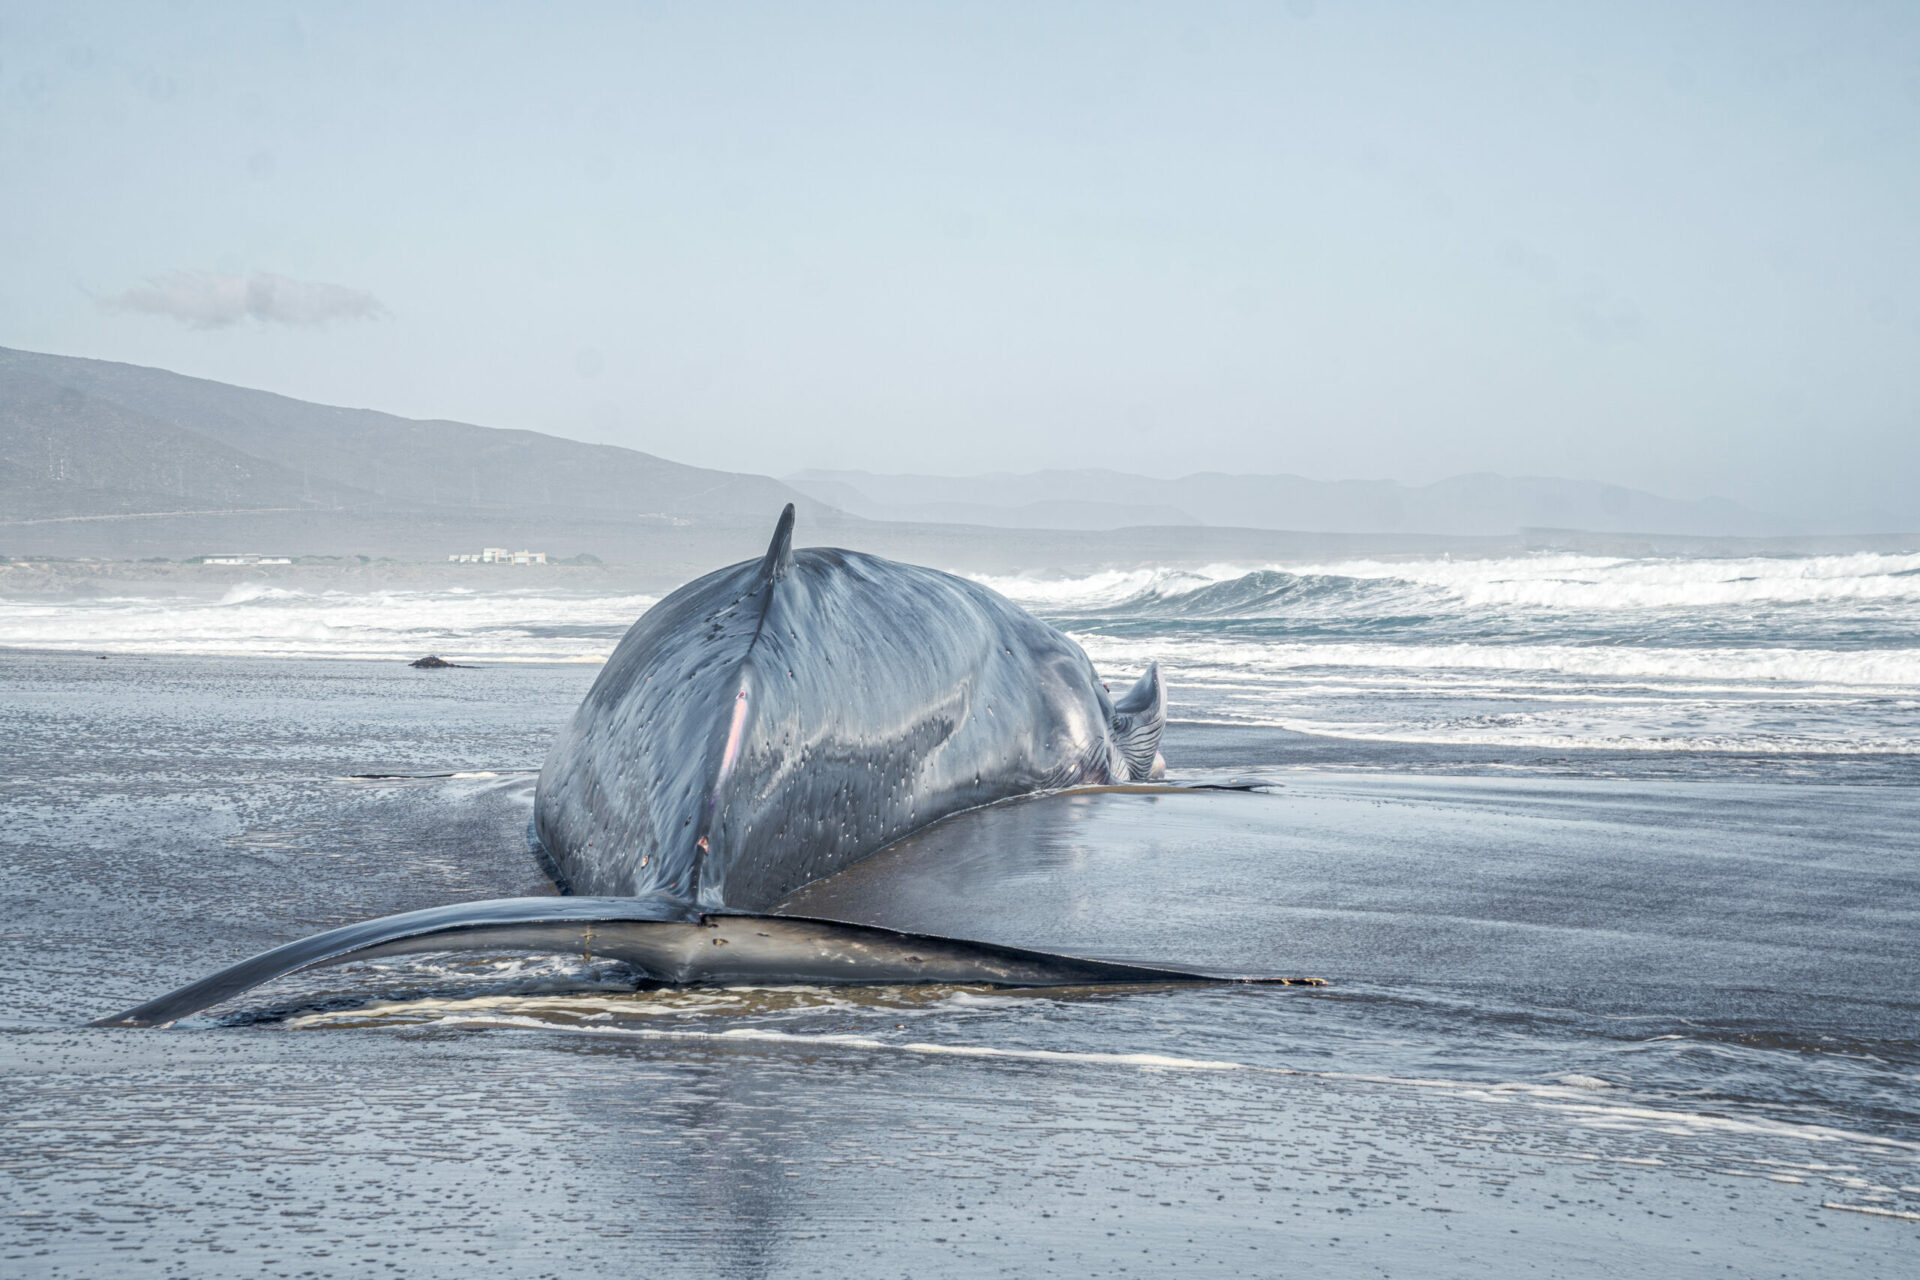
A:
{"x": 732, "y": 752}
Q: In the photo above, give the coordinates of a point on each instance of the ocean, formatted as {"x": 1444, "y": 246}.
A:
{"x": 1778, "y": 655}
{"x": 1609, "y": 865}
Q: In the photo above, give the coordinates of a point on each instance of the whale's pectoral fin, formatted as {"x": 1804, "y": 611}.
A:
{"x": 661, "y": 941}
{"x": 1138, "y": 718}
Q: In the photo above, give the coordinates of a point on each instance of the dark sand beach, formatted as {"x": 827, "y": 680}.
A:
{"x": 1657, "y": 1019}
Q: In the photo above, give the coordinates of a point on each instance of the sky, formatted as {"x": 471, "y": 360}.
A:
{"x": 1674, "y": 246}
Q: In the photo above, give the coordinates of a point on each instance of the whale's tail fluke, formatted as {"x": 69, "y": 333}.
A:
{"x": 553, "y": 925}
{"x": 662, "y": 941}
{"x": 1138, "y": 718}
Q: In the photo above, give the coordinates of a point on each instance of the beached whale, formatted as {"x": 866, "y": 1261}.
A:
{"x": 773, "y": 722}
{"x": 761, "y": 728}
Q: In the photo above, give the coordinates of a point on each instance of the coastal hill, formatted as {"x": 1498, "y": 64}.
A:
{"x": 116, "y": 462}
{"x": 98, "y": 458}
{"x": 1462, "y": 506}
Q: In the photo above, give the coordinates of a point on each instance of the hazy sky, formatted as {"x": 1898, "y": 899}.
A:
{"x": 1675, "y": 246}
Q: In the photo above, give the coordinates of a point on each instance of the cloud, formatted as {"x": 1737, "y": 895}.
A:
{"x": 217, "y": 299}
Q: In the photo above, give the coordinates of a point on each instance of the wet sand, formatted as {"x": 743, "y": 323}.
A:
{"x": 1748, "y": 1111}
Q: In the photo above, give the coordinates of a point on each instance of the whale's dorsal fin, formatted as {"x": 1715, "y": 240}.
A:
{"x": 1138, "y": 718}
{"x": 779, "y": 556}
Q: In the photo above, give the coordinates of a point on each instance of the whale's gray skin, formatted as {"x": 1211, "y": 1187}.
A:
{"x": 774, "y": 721}
{"x": 758, "y": 729}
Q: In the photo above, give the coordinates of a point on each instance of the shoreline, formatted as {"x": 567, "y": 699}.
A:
{"x": 653, "y": 558}
{"x": 83, "y": 579}
{"x": 956, "y": 549}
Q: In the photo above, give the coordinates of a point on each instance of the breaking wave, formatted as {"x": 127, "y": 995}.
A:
{"x": 1708, "y": 668}
{"x": 257, "y": 620}
{"x": 1548, "y": 582}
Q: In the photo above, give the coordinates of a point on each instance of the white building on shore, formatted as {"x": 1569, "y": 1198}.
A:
{"x": 498, "y": 555}
{"x": 244, "y": 557}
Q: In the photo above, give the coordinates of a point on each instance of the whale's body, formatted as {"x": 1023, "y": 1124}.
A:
{"x": 775, "y": 721}
{"x": 759, "y": 729}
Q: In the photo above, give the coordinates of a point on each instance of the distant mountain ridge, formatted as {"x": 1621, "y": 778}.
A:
{"x": 1468, "y": 505}
{"x": 116, "y": 461}
{"x": 90, "y": 438}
